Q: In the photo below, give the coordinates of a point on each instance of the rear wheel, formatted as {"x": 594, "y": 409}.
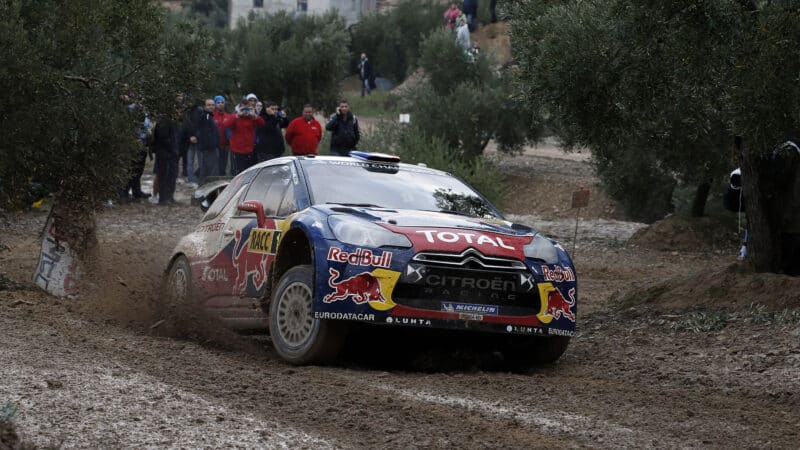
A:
{"x": 298, "y": 337}
{"x": 178, "y": 283}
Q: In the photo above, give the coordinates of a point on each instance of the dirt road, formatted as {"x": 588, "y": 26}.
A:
{"x": 104, "y": 371}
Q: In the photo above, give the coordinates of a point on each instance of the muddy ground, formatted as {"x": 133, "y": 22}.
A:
{"x": 679, "y": 345}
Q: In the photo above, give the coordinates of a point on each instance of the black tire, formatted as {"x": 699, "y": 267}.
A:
{"x": 297, "y": 336}
{"x": 177, "y": 288}
{"x": 524, "y": 353}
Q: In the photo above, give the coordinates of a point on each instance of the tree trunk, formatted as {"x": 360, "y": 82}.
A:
{"x": 68, "y": 237}
{"x": 767, "y": 180}
{"x": 700, "y": 199}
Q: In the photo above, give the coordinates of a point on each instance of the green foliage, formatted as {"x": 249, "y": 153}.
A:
{"x": 466, "y": 102}
{"x": 391, "y": 40}
{"x": 64, "y": 71}
{"x": 615, "y": 76}
{"x": 415, "y": 147}
{"x": 380, "y": 104}
{"x": 293, "y": 60}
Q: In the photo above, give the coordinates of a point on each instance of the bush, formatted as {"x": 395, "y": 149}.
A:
{"x": 293, "y": 60}
{"x": 466, "y": 102}
{"x": 415, "y": 147}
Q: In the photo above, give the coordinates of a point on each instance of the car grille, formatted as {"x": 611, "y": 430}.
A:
{"x": 469, "y": 258}
{"x": 469, "y": 277}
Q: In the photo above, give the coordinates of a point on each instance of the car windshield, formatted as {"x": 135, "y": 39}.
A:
{"x": 382, "y": 185}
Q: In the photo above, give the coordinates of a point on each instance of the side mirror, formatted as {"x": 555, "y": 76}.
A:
{"x": 254, "y": 206}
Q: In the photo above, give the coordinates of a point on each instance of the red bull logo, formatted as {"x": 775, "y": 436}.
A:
{"x": 248, "y": 263}
{"x": 554, "y": 305}
{"x": 362, "y": 288}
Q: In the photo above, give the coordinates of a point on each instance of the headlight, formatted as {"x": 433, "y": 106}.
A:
{"x": 541, "y": 248}
{"x": 354, "y": 231}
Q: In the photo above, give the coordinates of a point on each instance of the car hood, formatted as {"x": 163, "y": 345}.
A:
{"x": 436, "y": 231}
{"x": 405, "y": 218}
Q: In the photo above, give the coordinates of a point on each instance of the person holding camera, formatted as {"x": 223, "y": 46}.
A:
{"x": 343, "y": 126}
{"x": 269, "y": 139}
{"x": 243, "y": 127}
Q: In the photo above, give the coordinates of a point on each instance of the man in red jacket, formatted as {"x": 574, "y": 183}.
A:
{"x": 243, "y": 126}
{"x": 219, "y": 118}
{"x": 304, "y": 133}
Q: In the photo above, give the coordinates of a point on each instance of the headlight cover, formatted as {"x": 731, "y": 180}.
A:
{"x": 355, "y": 231}
{"x": 541, "y": 248}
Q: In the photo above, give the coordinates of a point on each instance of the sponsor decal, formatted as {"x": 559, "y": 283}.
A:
{"x": 211, "y": 227}
{"x": 247, "y": 263}
{"x": 360, "y": 257}
{"x": 449, "y": 237}
{"x": 474, "y": 317}
{"x": 373, "y": 288}
{"x": 557, "y": 332}
{"x": 470, "y": 308}
{"x": 408, "y": 321}
{"x": 517, "y": 329}
{"x": 263, "y": 241}
{"x": 554, "y": 305}
{"x": 214, "y": 274}
{"x": 343, "y": 316}
{"x": 558, "y": 274}
{"x": 470, "y": 283}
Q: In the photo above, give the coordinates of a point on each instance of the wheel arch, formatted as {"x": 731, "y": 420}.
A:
{"x": 295, "y": 249}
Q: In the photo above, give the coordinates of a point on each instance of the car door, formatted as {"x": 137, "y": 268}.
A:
{"x": 213, "y": 271}
{"x": 254, "y": 247}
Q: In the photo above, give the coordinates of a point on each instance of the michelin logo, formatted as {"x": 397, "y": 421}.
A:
{"x": 490, "y": 310}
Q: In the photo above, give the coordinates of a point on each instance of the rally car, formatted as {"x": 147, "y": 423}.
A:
{"x": 308, "y": 245}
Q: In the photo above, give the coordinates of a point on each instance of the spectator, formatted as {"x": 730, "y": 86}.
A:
{"x": 243, "y": 126}
{"x": 450, "y": 17}
{"x": 493, "y": 10}
{"x": 304, "y": 133}
{"x": 470, "y": 8}
{"x": 219, "y": 118}
{"x": 259, "y": 108}
{"x": 343, "y": 126}
{"x": 207, "y": 142}
{"x": 189, "y": 148}
{"x": 133, "y": 189}
{"x": 462, "y": 36}
{"x": 365, "y": 74}
{"x": 269, "y": 139}
{"x": 167, "y": 140}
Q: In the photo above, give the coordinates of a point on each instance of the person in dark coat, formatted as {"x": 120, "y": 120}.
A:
{"x": 167, "y": 139}
{"x": 365, "y": 75}
{"x": 190, "y": 150}
{"x": 207, "y": 135}
{"x": 470, "y": 9}
{"x": 269, "y": 138}
{"x": 343, "y": 126}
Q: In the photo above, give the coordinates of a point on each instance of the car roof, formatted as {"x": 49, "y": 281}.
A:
{"x": 285, "y": 159}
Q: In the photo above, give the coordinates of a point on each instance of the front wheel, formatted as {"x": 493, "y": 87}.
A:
{"x": 298, "y": 337}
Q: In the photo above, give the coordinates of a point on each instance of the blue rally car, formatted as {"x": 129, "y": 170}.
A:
{"x": 308, "y": 245}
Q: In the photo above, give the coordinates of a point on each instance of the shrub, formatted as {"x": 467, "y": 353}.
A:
{"x": 293, "y": 60}
{"x": 415, "y": 147}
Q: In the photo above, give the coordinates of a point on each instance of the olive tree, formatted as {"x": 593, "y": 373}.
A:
{"x": 647, "y": 80}
{"x": 65, "y": 70}
{"x": 293, "y": 60}
{"x": 467, "y": 100}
